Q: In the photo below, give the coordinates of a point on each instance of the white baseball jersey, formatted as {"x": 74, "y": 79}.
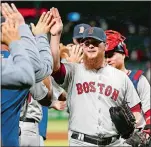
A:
{"x": 91, "y": 93}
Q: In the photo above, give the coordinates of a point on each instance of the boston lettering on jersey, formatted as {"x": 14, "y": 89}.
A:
{"x": 106, "y": 90}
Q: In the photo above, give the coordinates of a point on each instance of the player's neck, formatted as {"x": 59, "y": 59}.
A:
{"x": 103, "y": 63}
{"x": 125, "y": 70}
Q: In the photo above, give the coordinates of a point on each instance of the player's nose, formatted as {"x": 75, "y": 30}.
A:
{"x": 91, "y": 46}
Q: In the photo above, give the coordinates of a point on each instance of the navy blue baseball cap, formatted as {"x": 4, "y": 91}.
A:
{"x": 96, "y": 33}
{"x": 79, "y": 30}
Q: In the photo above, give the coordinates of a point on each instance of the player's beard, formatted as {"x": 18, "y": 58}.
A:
{"x": 93, "y": 63}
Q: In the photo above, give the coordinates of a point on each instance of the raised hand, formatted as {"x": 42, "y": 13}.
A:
{"x": 10, "y": 32}
{"x": 44, "y": 24}
{"x": 56, "y": 23}
{"x": 76, "y": 54}
{"x": 11, "y": 12}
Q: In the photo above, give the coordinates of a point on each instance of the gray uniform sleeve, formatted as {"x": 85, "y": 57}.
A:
{"x": 42, "y": 67}
{"x": 39, "y": 91}
{"x": 45, "y": 55}
{"x": 130, "y": 93}
{"x": 28, "y": 40}
{"x": 17, "y": 70}
{"x": 143, "y": 89}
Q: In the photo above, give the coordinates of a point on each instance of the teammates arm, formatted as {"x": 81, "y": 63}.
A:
{"x": 42, "y": 55}
{"x": 40, "y": 31}
{"x": 42, "y": 92}
{"x": 49, "y": 94}
{"x": 55, "y": 32}
{"x": 59, "y": 97}
{"x": 132, "y": 98}
{"x": 42, "y": 69}
{"x": 61, "y": 72}
{"x": 17, "y": 70}
{"x": 143, "y": 88}
{"x": 27, "y": 39}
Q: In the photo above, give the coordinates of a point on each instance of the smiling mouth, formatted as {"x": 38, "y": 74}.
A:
{"x": 91, "y": 51}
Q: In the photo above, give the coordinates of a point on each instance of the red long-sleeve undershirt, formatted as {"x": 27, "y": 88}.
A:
{"x": 147, "y": 114}
{"x": 136, "y": 108}
{"x": 59, "y": 75}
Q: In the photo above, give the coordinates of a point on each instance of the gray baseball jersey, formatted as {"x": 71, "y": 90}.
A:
{"x": 38, "y": 92}
{"x": 17, "y": 65}
{"x": 40, "y": 55}
{"x": 91, "y": 93}
{"x": 143, "y": 89}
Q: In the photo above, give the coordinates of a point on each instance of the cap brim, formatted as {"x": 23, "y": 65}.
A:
{"x": 77, "y": 37}
{"x": 91, "y": 37}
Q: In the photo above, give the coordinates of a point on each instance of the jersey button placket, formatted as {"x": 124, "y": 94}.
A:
{"x": 99, "y": 97}
{"x": 99, "y": 122}
{"x": 100, "y": 111}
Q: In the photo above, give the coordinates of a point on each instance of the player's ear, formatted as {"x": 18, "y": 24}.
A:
{"x": 105, "y": 45}
{"x": 123, "y": 56}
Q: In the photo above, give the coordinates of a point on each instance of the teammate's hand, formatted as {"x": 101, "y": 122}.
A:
{"x": 11, "y": 12}
{"x": 44, "y": 24}
{"x": 69, "y": 45}
{"x": 76, "y": 54}
{"x": 9, "y": 32}
{"x": 56, "y": 23}
{"x": 59, "y": 105}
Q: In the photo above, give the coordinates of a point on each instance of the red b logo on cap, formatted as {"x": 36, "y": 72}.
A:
{"x": 90, "y": 31}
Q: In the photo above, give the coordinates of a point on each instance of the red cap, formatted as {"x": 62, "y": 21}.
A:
{"x": 115, "y": 41}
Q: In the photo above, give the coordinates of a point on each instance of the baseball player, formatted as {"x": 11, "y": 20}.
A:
{"x": 74, "y": 52}
{"x": 78, "y": 32}
{"x": 58, "y": 103}
{"x": 93, "y": 87}
{"x": 32, "y": 113}
{"x": 116, "y": 53}
{"x": 30, "y": 116}
{"x": 12, "y": 100}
